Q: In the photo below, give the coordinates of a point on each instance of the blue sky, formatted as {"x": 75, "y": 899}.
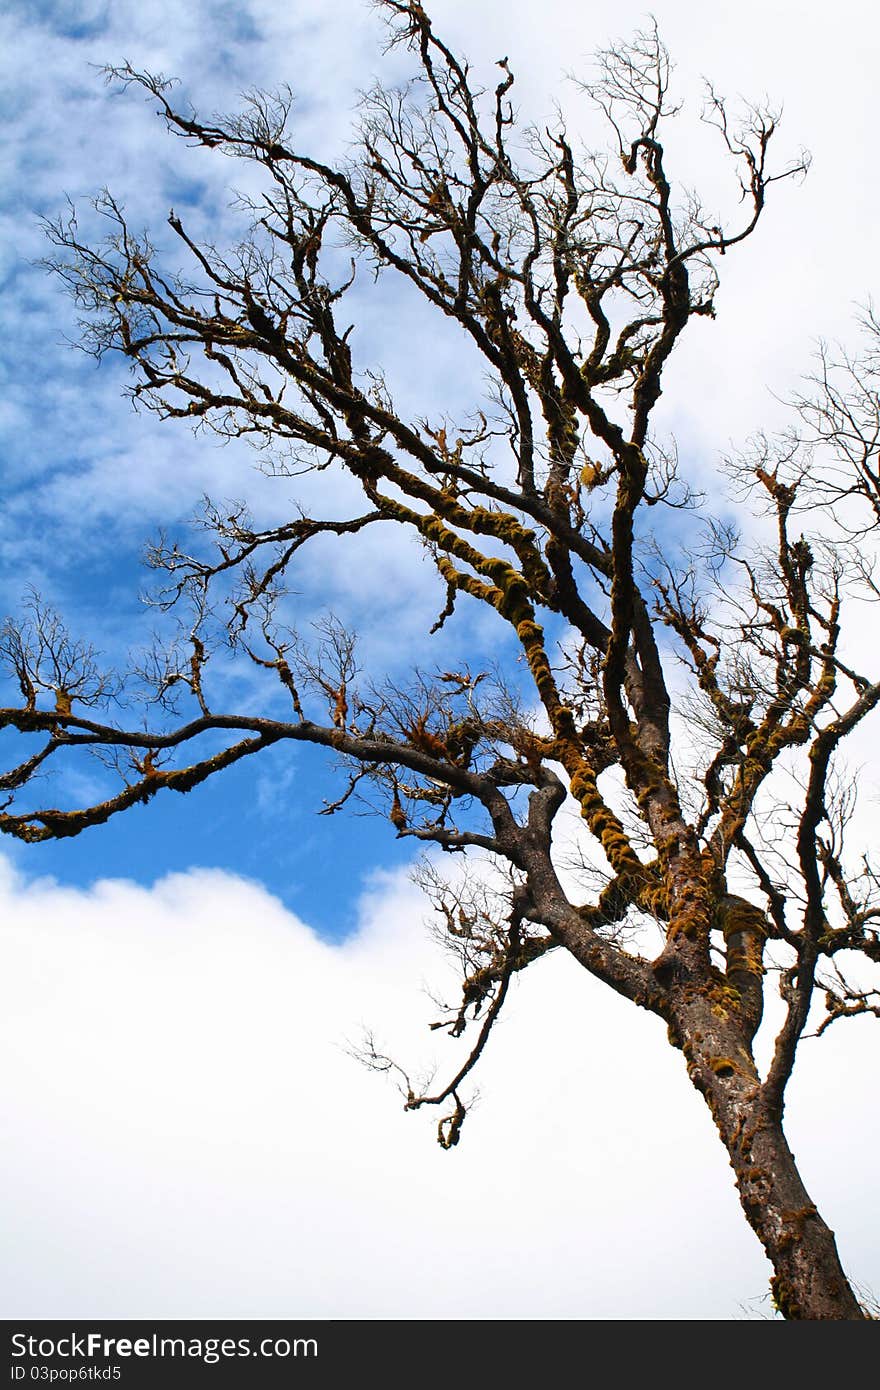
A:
{"x": 86, "y": 483}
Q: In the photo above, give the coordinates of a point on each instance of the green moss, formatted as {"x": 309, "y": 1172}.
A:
{"x": 784, "y": 1298}
{"x": 724, "y": 1066}
{"x": 602, "y": 821}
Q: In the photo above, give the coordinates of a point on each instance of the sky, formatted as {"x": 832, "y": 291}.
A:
{"x": 187, "y": 1133}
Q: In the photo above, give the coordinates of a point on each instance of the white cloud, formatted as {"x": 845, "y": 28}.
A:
{"x": 812, "y": 259}
{"x": 86, "y": 463}
{"x": 186, "y": 1135}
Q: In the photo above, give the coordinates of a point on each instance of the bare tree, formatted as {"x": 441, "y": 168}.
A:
{"x": 571, "y": 274}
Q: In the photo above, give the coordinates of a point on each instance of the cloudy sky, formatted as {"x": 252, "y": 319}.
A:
{"x": 186, "y": 1132}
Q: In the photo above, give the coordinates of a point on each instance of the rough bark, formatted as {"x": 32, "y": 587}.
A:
{"x": 808, "y": 1280}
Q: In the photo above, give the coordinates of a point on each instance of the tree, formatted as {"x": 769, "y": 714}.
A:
{"x": 708, "y": 803}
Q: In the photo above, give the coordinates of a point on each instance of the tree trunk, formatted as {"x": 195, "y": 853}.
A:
{"x": 808, "y": 1281}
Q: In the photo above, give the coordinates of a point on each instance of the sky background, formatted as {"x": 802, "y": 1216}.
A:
{"x": 186, "y": 1133}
